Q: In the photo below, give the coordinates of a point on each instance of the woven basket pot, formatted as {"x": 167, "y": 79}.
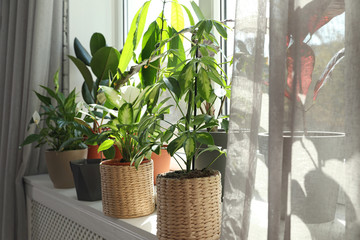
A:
{"x": 127, "y": 192}
{"x": 189, "y": 208}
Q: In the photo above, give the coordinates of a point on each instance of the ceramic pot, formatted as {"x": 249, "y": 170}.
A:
{"x": 86, "y": 173}
{"x": 58, "y": 165}
{"x": 93, "y": 152}
{"x": 161, "y": 162}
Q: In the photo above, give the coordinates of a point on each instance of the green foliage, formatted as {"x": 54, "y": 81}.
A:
{"x": 135, "y": 125}
{"x": 60, "y": 131}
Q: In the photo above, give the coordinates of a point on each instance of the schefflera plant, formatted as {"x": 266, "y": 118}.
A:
{"x": 135, "y": 125}
{"x": 193, "y": 83}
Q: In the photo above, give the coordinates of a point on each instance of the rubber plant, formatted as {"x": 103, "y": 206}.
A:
{"x": 303, "y": 23}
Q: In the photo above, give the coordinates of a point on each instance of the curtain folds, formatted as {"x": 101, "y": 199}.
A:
{"x": 293, "y": 156}
{"x": 30, "y": 54}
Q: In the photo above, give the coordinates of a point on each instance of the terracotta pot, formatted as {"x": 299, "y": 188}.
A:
{"x": 58, "y": 165}
{"x": 93, "y": 152}
{"x": 161, "y": 162}
{"x": 189, "y": 208}
{"x": 127, "y": 192}
{"x": 117, "y": 153}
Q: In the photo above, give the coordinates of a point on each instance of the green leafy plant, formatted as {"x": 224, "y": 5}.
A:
{"x": 135, "y": 126}
{"x": 60, "y": 131}
{"x": 193, "y": 82}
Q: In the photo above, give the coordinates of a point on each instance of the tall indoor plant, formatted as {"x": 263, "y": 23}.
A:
{"x": 60, "y": 133}
{"x": 190, "y": 195}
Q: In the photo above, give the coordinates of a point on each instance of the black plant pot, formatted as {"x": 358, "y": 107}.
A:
{"x": 86, "y": 173}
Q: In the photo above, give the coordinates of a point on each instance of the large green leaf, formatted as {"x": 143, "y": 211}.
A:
{"x": 220, "y": 29}
{"x": 191, "y": 19}
{"x": 43, "y": 99}
{"x": 152, "y": 98}
{"x": 133, "y": 37}
{"x": 113, "y": 96}
{"x": 189, "y": 147}
{"x": 81, "y": 52}
{"x": 204, "y": 85}
{"x": 86, "y": 94}
{"x": 197, "y": 10}
{"x": 204, "y": 138}
{"x": 106, "y": 145}
{"x": 186, "y": 77}
{"x": 105, "y": 61}
{"x": 97, "y": 41}
{"x": 150, "y": 39}
{"x": 125, "y": 114}
{"x": 30, "y": 139}
{"x": 173, "y": 85}
{"x": 176, "y": 144}
{"x": 177, "y": 16}
{"x": 84, "y": 72}
{"x": 177, "y": 44}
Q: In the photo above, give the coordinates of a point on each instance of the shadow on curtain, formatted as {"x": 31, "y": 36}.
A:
{"x": 293, "y": 166}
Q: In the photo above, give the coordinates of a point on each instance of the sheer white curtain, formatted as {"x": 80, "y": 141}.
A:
{"x": 293, "y": 169}
{"x": 30, "y": 53}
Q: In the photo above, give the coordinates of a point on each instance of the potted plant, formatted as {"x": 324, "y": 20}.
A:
{"x": 102, "y": 64}
{"x": 60, "y": 133}
{"x": 313, "y": 156}
{"x": 127, "y": 183}
{"x": 192, "y": 196}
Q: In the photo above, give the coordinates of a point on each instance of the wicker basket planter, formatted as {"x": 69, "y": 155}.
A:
{"x": 189, "y": 208}
{"x": 127, "y": 192}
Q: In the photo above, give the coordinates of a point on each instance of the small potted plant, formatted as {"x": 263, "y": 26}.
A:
{"x": 127, "y": 183}
{"x": 190, "y": 195}
{"x": 60, "y": 133}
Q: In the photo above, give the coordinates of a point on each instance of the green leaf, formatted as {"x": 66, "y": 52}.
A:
{"x": 174, "y": 60}
{"x": 113, "y": 96}
{"x": 189, "y": 147}
{"x": 204, "y": 85}
{"x": 44, "y": 99}
{"x": 173, "y": 85}
{"x": 147, "y": 73}
{"x": 177, "y": 16}
{"x": 197, "y": 10}
{"x": 191, "y": 19}
{"x": 97, "y": 41}
{"x": 86, "y": 94}
{"x": 125, "y": 115}
{"x": 220, "y": 29}
{"x": 225, "y": 124}
{"x": 109, "y": 153}
{"x": 208, "y": 26}
{"x": 186, "y": 77}
{"x": 30, "y": 139}
{"x": 152, "y": 98}
{"x": 105, "y": 61}
{"x": 106, "y": 145}
{"x": 204, "y": 138}
{"x": 133, "y": 37}
{"x": 81, "y": 52}
{"x": 68, "y": 142}
{"x": 84, "y": 72}
{"x": 176, "y": 144}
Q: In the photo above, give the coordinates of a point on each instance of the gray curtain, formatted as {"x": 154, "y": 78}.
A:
{"x": 30, "y": 54}
{"x": 293, "y": 162}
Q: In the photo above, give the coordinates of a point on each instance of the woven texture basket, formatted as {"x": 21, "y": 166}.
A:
{"x": 189, "y": 208}
{"x": 127, "y": 192}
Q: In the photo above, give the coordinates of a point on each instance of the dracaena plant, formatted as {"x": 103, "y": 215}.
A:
{"x": 60, "y": 131}
{"x": 305, "y": 22}
{"x": 135, "y": 125}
